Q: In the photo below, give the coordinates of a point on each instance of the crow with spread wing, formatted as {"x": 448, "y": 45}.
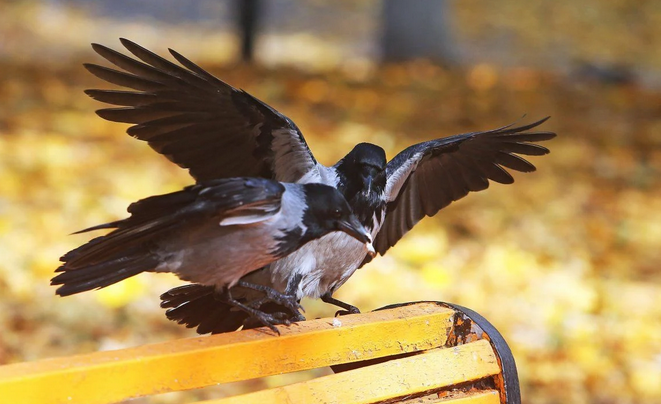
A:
{"x": 215, "y": 130}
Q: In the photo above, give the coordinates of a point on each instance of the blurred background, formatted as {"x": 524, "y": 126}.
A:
{"x": 565, "y": 262}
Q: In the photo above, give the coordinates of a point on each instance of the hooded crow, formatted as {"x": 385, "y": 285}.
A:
{"x": 212, "y": 233}
{"x": 215, "y": 130}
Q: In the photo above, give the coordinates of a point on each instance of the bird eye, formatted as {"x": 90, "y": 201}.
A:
{"x": 337, "y": 213}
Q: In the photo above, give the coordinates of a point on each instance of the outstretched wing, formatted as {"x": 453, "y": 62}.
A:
{"x": 426, "y": 177}
{"x": 197, "y": 121}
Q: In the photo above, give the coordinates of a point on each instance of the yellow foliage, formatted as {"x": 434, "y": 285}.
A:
{"x": 419, "y": 249}
{"x": 121, "y": 293}
{"x": 564, "y": 261}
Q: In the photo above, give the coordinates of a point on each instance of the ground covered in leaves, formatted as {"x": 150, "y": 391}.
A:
{"x": 564, "y": 262}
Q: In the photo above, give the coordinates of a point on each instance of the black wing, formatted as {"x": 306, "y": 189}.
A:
{"x": 235, "y": 199}
{"x": 426, "y": 177}
{"x": 197, "y": 121}
{"x": 128, "y": 249}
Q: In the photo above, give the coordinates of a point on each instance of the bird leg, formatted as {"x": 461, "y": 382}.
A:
{"x": 348, "y": 309}
{"x": 292, "y": 290}
{"x": 269, "y": 320}
{"x": 288, "y": 300}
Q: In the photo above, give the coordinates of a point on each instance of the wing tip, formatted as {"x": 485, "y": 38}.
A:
{"x": 529, "y": 126}
{"x": 127, "y": 42}
{"x": 94, "y": 68}
{"x": 541, "y": 121}
{"x": 100, "y": 49}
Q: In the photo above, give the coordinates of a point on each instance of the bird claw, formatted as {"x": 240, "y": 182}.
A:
{"x": 270, "y": 320}
{"x": 351, "y": 310}
{"x": 348, "y": 309}
{"x": 298, "y": 317}
{"x": 290, "y": 301}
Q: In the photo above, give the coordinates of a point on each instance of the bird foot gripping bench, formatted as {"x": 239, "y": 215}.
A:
{"x": 426, "y": 352}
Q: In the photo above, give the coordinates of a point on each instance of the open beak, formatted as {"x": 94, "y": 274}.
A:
{"x": 357, "y": 231}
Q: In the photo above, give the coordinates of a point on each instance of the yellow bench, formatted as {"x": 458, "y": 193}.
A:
{"x": 426, "y": 352}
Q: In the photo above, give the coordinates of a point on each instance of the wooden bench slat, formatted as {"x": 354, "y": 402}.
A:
{"x": 460, "y": 397}
{"x": 111, "y": 376}
{"x": 421, "y": 373}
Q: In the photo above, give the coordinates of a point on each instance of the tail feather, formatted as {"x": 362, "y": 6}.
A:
{"x": 102, "y": 261}
{"x": 117, "y": 243}
{"x": 100, "y": 275}
{"x": 196, "y": 307}
{"x": 111, "y": 225}
{"x": 71, "y": 255}
{"x": 182, "y": 294}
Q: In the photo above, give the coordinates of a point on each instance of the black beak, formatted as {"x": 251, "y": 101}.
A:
{"x": 356, "y": 230}
{"x": 368, "y": 184}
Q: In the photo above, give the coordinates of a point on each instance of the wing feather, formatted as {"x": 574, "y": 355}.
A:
{"x": 123, "y": 79}
{"x": 428, "y": 176}
{"x": 224, "y": 200}
{"x": 195, "y": 119}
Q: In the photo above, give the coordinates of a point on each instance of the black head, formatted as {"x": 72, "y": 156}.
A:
{"x": 327, "y": 210}
{"x": 368, "y": 154}
{"x": 363, "y": 169}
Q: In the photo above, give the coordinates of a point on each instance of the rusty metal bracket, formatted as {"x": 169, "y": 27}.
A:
{"x": 467, "y": 326}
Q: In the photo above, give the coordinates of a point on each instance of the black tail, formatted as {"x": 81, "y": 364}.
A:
{"x": 195, "y": 306}
{"x": 95, "y": 275}
{"x": 125, "y": 251}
